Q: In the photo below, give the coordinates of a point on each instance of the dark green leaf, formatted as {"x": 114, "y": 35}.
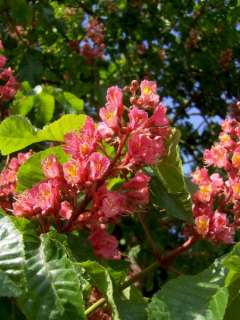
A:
{"x": 131, "y": 305}
{"x": 168, "y": 185}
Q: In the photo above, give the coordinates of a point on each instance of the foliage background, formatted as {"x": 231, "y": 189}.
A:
{"x": 191, "y": 48}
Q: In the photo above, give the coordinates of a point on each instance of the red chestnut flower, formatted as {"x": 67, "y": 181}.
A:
{"x": 9, "y": 84}
{"x": 216, "y": 203}
{"x": 77, "y": 194}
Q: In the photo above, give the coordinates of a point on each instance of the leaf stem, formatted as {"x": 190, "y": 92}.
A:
{"x": 94, "y": 306}
{"x": 164, "y": 261}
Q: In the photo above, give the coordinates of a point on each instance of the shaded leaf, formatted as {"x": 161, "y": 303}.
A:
{"x": 23, "y": 105}
{"x": 45, "y": 104}
{"x": 73, "y": 101}
{"x": 168, "y": 186}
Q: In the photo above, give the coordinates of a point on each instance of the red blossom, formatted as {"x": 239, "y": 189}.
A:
{"x": 66, "y": 210}
{"x": 137, "y": 118}
{"x": 92, "y": 46}
{"x": 81, "y": 145}
{"x": 216, "y": 203}
{"x": 113, "y": 204}
{"x": 51, "y": 167}
{"x": 3, "y": 61}
{"x": 149, "y": 97}
{"x": 74, "y": 172}
{"x": 137, "y": 189}
{"x": 104, "y": 244}
{"x": 98, "y": 165}
{"x": 143, "y": 149}
{"x": 78, "y": 194}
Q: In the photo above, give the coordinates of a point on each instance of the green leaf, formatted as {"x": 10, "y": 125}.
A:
{"x": 191, "y": 187}
{"x": 74, "y": 101}
{"x": 78, "y": 240}
{"x": 131, "y": 304}
{"x": 31, "y": 173}
{"x": 9, "y": 310}
{"x": 199, "y": 297}
{"x": 45, "y": 104}
{"x": 12, "y": 259}
{"x": 56, "y": 130}
{"x": 16, "y": 132}
{"x": 169, "y": 189}
{"x": 232, "y": 312}
{"x": 23, "y": 105}
{"x": 54, "y": 290}
{"x": 232, "y": 261}
{"x": 100, "y": 278}
{"x": 20, "y": 11}
{"x": 157, "y": 310}
{"x": 232, "y": 281}
{"x": 173, "y": 203}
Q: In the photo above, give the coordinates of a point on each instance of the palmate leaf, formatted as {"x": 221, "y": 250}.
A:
{"x": 168, "y": 185}
{"x": 53, "y": 286}
{"x": 16, "y": 132}
{"x": 31, "y": 171}
{"x": 198, "y": 297}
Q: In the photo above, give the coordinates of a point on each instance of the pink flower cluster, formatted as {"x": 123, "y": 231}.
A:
{"x": 77, "y": 193}
{"x": 217, "y": 201}
{"x": 8, "y": 179}
{"x": 92, "y": 46}
{"x": 8, "y": 83}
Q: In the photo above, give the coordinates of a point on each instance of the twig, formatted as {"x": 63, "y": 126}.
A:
{"x": 169, "y": 257}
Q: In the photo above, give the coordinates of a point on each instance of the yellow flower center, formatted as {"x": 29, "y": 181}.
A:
{"x": 236, "y": 188}
{"x": 84, "y": 148}
{"x": 236, "y": 160}
{"x": 147, "y": 90}
{"x": 72, "y": 171}
{"x": 202, "y": 224}
{"x": 225, "y": 137}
